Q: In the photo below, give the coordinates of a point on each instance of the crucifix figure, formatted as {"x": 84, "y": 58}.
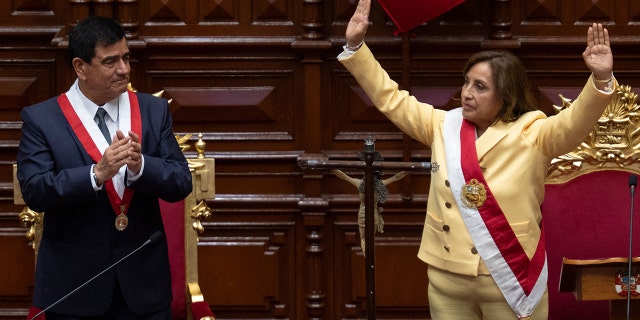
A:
{"x": 380, "y": 196}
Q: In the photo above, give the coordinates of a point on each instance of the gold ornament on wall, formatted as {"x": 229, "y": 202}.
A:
{"x": 613, "y": 144}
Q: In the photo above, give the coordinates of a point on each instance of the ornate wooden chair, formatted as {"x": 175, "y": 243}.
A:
{"x": 586, "y": 212}
{"x": 181, "y": 231}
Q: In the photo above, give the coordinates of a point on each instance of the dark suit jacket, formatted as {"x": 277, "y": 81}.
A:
{"x": 79, "y": 238}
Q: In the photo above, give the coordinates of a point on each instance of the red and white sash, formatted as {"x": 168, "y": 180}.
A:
{"x": 94, "y": 143}
{"x": 522, "y": 281}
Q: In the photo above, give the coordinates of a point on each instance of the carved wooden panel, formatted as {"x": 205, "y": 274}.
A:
{"x": 23, "y": 83}
{"x": 560, "y": 18}
{"x": 260, "y": 80}
{"x": 221, "y": 18}
{"x": 238, "y": 101}
{"x": 395, "y": 254}
{"x": 18, "y": 267}
{"x": 32, "y": 13}
{"x": 247, "y": 268}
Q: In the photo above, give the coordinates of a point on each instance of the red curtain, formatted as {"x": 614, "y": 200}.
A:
{"x": 408, "y": 14}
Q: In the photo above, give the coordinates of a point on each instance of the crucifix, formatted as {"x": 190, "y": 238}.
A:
{"x": 371, "y": 162}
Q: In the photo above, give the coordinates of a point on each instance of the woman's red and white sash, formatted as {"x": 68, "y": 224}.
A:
{"x": 523, "y": 281}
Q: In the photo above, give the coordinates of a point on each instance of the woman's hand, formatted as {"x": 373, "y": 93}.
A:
{"x": 597, "y": 55}
{"x": 357, "y": 27}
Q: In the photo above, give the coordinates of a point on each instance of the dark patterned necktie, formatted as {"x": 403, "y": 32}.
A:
{"x": 103, "y": 125}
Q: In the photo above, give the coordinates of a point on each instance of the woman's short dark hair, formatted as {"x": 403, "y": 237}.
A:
{"x": 92, "y": 32}
{"x": 510, "y": 80}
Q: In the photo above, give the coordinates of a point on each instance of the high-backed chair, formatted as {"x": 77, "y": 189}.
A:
{"x": 587, "y": 207}
{"x": 182, "y": 221}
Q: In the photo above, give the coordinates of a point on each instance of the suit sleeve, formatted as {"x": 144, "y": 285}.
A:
{"x": 52, "y": 171}
{"x": 414, "y": 118}
{"x": 166, "y": 172}
{"x": 561, "y": 133}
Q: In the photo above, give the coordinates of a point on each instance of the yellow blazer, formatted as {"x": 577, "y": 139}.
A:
{"x": 514, "y": 156}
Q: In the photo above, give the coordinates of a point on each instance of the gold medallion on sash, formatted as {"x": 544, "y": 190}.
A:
{"x": 122, "y": 221}
{"x": 474, "y": 194}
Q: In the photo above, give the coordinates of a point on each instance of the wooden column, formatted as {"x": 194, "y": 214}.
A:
{"x": 313, "y": 22}
{"x": 127, "y": 15}
{"x": 313, "y": 46}
{"x": 78, "y": 10}
{"x": 105, "y": 8}
{"x": 501, "y": 20}
{"x": 313, "y": 217}
{"x": 501, "y": 35}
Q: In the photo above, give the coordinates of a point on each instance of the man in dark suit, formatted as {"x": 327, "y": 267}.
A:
{"x": 100, "y": 191}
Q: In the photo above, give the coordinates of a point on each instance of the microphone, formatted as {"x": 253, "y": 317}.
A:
{"x": 633, "y": 181}
{"x": 153, "y": 238}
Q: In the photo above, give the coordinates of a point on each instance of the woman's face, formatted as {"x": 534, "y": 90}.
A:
{"x": 479, "y": 97}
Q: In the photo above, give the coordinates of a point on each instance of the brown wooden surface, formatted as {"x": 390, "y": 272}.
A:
{"x": 261, "y": 82}
{"x": 594, "y": 279}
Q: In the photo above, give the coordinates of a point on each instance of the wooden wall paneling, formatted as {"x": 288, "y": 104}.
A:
{"x": 239, "y": 96}
{"x": 18, "y": 261}
{"x": 352, "y": 116}
{"x": 632, "y": 13}
{"x": 17, "y": 269}
{"x": 261, "y": 81}
{"x": 247, "y": 266}
{"x": 26, "y": 77}
{"x": 547, "y": 21}
{"x": 397, "y": 297}
{"x": 32, "y": 15}
{"x": 226, "y": 18}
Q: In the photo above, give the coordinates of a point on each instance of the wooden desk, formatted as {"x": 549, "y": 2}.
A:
{"x": 596, "y": 280}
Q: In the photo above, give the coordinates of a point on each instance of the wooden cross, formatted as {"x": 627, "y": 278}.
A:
{"x": 371, "y": 163}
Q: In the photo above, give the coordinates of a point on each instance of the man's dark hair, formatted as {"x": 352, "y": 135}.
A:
{"x": 92, "y": 32}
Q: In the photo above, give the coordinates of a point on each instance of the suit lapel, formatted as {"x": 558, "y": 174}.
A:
{"x": 491, "y": 137}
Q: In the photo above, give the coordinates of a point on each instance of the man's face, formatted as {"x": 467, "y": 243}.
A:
{"x": 107, "y": 76}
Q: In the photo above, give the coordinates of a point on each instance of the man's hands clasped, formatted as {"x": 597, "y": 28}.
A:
{"x": 124, "y": 150}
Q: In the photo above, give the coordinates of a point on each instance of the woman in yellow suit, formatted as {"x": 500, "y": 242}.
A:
{"x": 482, "y": 237}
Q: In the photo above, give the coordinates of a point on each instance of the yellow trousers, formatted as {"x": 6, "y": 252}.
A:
{"x": 453, "y": 296}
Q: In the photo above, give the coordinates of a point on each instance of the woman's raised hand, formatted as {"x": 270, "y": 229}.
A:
{"x": 597, "y": 55}
{"x": 357, "y": 27}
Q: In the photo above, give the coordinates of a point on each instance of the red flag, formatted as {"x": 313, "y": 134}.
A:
{"x": 408, "y": 14}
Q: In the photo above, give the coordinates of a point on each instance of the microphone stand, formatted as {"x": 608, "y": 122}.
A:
{"x": 154, "y": 237}
{"x": 633, "y": 180}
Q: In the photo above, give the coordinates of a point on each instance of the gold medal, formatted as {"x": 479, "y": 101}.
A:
{"x": 474, "y": 194}
{"x": 122, "y": 221}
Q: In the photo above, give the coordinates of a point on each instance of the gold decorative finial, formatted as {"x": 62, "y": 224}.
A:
{"x": 200, "y": 146}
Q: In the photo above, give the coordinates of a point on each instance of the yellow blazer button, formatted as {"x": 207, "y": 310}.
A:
{"x": 446, "y": 227}
{"x": 474, "y": 250}
{"x": 448, "y": 205}
{"x": 446, "y": 248}
{"x": 447, "y": 183}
